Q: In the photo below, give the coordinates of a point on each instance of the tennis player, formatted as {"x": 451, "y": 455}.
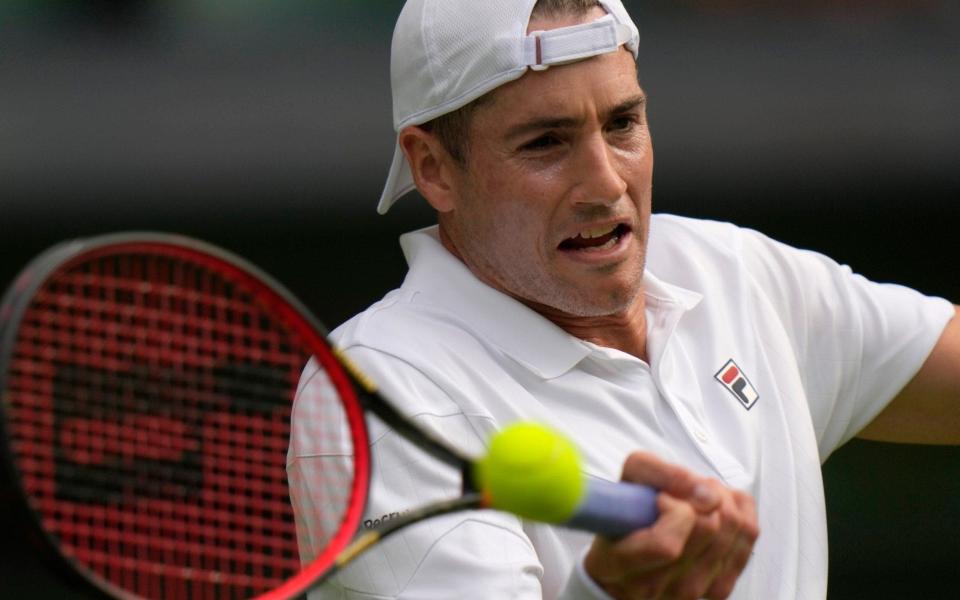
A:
{"x": 708, "y": 360}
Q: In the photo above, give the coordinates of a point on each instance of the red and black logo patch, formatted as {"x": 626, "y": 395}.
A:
{"x": 732, "y": 377}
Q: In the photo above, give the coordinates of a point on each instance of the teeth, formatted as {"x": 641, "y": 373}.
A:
{"x": 596, "y": 232}
{"x": 609, "y": 244}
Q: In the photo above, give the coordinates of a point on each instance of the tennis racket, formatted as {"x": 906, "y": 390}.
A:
{"x": 147, "y": 385}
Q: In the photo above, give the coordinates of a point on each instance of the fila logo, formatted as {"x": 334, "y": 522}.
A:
{"x": 736, "y": 382}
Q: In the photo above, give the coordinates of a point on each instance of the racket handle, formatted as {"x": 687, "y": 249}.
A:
{"x": 615, "y": 509}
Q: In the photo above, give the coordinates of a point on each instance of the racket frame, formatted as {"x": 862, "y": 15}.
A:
{"x": 339, "y": 551}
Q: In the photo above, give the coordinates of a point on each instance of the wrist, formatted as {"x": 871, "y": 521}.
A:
{"x": 580, "y": 586}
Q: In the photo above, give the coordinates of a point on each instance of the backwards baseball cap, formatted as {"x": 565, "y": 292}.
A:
{"x": 447, "y": 53}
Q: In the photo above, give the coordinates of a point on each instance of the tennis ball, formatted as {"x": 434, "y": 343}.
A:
{"x": 531, "y": 471}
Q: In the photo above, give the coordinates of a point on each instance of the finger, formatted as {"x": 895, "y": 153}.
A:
{"x": 715, "y": 526}
{"x": 741, "y": 550}
{"x": 729, "y": 571}
{"x": 643, "y": 551}
{"x": 720, "y": 547}
{"x": 712, "y": 542}
{"x": 643, "y": 467}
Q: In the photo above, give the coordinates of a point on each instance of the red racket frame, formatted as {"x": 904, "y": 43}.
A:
{"x": 276, "y": 299}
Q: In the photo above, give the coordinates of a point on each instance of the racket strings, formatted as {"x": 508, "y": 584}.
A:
{"x": 151, "y": 403}
{"x": 168, "y": 324}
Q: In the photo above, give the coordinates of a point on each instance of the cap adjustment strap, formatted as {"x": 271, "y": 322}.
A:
{"x": 541, "y": 49}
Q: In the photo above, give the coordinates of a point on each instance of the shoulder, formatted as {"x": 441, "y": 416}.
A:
{"x": 705, "y": 238}
{"x": 698, "y": 254}
{"x": 677, "y": 241}
{"x": 706, "y": 230}
{"x": 685, "y": 247}
{"x": 378, "y": 323}
{"x": 394, "y": 338}
{"x": 399, "y": 325}
{"x": 420, "y": 354}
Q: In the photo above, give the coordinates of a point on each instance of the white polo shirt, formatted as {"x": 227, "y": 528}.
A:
{"x": 763, "y": 360}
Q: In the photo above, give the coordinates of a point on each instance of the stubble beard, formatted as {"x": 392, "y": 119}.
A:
{"x": 535, "y": 286}
{"x": 575, "y": 300}
{"x": 532, "y": 283}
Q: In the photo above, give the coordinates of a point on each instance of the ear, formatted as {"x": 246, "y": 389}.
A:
{"x": 434, "y": 170}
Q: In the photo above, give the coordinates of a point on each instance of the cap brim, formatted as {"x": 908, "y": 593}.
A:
{"x": 399, "y": 181}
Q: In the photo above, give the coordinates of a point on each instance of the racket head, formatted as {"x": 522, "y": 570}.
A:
{"x": 147, "y": 383}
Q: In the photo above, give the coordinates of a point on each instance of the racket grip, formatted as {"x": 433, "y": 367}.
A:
{"x": 615, "y": 509}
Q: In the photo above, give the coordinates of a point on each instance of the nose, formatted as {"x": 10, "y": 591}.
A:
{"x": 600, "y": 181}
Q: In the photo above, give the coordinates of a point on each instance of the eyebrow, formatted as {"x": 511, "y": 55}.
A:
{"x": 539, "y": 124}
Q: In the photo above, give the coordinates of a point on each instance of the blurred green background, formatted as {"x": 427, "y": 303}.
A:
{"x": 265, "y": 127}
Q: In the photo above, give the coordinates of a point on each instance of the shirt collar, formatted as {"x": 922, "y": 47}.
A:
{"x": 440, "y": 280}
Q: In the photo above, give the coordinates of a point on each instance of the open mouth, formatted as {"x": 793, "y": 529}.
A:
{"x": 595, "y": 239}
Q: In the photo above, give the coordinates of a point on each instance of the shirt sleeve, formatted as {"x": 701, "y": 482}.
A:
{"x": 857, "y": 342}
{"x": 470, "y": 555}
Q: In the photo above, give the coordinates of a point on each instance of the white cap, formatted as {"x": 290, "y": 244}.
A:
{"x": 447, "y": 53}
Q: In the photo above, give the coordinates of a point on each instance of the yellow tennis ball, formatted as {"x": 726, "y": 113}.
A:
{"x": 531, "y": 471}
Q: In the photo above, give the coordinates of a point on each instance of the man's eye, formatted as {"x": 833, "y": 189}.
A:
{"x": 622, "y": 124}
{"x": 541, "y": 143}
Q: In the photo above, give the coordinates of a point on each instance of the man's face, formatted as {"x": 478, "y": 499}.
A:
{"x": 553, "y": 206}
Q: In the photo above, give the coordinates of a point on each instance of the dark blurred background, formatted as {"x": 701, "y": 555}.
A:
{"x": 265, "y": 127}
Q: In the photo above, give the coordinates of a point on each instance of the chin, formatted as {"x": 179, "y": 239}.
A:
{"x": 601, "y": 303}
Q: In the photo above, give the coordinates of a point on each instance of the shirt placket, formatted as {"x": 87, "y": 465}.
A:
{"x": 678, "y": 388}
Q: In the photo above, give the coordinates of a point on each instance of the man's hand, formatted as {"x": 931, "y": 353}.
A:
{"x": 696, "y": 549}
